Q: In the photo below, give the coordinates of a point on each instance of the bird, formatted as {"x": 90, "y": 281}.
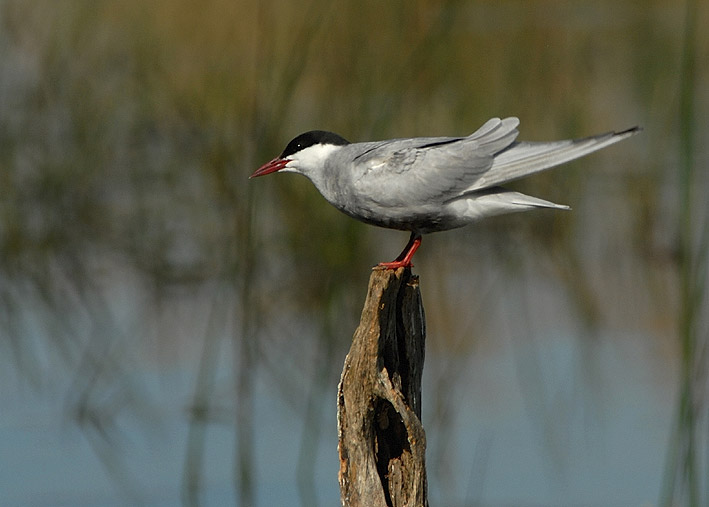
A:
{"x": 429, "y": 184}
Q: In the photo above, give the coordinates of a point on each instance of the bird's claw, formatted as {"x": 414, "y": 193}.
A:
{"x": 394, "y": 265}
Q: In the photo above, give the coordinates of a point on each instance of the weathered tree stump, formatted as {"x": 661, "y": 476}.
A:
{"x": 382, "y": 443}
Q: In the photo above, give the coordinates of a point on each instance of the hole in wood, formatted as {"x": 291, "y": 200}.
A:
{"x": 390, "y": 442}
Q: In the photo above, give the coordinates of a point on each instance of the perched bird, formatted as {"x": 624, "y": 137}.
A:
{"x": 428, "y": 184}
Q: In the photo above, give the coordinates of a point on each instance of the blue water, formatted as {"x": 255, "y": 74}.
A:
{"x": 585, "y": 434}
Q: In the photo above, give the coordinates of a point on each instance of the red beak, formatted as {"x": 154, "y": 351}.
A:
{"x": 271, "y": 167}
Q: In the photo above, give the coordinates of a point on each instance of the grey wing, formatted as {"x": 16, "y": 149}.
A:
{"x": 524, "y": 158}
{"x": 407, "y": 171}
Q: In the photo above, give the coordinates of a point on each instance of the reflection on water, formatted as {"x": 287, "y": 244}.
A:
{"x": 529, "y": 420}
{"x": 172, "y": 333}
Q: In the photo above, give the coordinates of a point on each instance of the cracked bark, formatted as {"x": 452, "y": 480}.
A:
{"x": 382, "y": 443}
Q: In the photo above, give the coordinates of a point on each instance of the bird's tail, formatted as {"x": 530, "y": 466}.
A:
{"x": 497, "y": 201}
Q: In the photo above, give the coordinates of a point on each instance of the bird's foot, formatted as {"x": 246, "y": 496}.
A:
{"x": 404, "y": 258}
{"x": 394, "y": 265}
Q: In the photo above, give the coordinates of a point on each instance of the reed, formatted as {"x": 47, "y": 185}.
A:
{"x": 127, "y": 133}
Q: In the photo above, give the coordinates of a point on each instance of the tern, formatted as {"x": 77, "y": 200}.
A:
{"x": 429, "y": 184}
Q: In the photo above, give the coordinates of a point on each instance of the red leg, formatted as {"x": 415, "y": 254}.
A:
{"x": 404, "y": 258}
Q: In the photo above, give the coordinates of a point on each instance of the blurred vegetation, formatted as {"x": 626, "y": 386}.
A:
{"x": 128, "y": 130}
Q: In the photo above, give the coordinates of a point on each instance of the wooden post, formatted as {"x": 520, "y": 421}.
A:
{"x": 382, "y": 443}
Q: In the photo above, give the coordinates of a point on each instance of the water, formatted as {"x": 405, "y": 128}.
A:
{"x": 533, "y": 419}
{"x": 140, "y": 269}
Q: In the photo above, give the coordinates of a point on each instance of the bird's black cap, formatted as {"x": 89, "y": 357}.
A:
{"x": 311, "y": 138}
